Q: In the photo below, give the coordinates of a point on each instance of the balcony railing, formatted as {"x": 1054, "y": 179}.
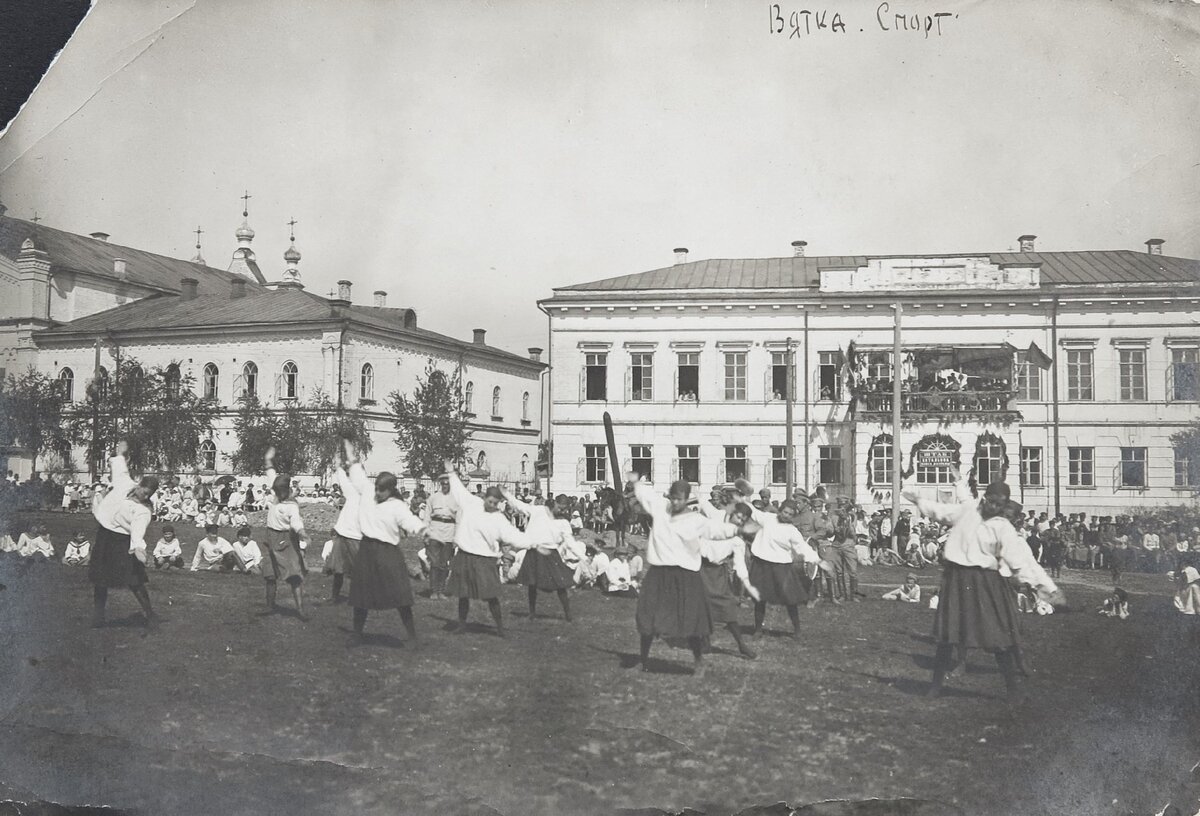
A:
{"x": 939, "y": 403}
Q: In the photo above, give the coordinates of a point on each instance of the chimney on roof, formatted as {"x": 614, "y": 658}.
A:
{"x": 535, "y": 354}
{"x": 344, "y": 290}
{"x": 120, "y": 268}
{"x": 237, "y": 288}
{"x": 100, "y": 236}
{"x": 681, "y": 255}
{"x": 1154, "y": 246}
{"x": 479, "y": 335}
{"x": 187, "y": 288}
{"x": 798, "y": 248}
{"x": 1026, "y": 242}
{"x": 380, "y": 298}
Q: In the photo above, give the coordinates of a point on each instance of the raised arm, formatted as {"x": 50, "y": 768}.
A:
{"x": 459, "y": 490}
{"x": 509, "y": 534}
{"x": 653, "y": 503}
{"x": 524, "y": 508}
{"x": 409, "y": 522}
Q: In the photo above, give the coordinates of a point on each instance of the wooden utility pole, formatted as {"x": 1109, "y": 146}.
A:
{"x": 896, "y": 398}
{"x": 789, "y": 361}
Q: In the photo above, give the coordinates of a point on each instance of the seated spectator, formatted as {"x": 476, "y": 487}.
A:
{"x": 224, "y": 519}
{"x": 238, "y": 518}
{"x": 619, "y": 578}
{"x": 190, "y": 506}
{"x": 636, "y": 567}
{"x": 909, "y": 593}
{"x": 36, "y": 547}
{"x": 247, "y": 550}
{"x": 1187, "y": 597}
{"x": 79, "y": 550}
{"x": 167, "y": 552}
{"x": 591, "y": 568}
{"x": 1116, "y": 605}
{"x": 214, "y": 552}
{"x": 576, "y": 522}
{"x": 8, "y": 545}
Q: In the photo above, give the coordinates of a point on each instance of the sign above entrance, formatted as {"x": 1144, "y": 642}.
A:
{"x": 963, "y": 272}
{"x": 936, "y": 457}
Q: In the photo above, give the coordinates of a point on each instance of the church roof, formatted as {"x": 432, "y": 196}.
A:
{"x": 214, "y": 308}
{"x": 80, "y": 253}
{"x": 1103, "y": 267}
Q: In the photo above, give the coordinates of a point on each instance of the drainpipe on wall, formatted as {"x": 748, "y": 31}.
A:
{"x": 807, "y": 407}
{"x": 1054, "y": 397}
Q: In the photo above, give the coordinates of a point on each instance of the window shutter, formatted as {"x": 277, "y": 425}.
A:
{"x": 674, "y": 470}
{"x": 583, "y": 383}
{"x": 721, "y": 470}
{"x": 626, "y": 467}
{"x": 278, "y": 386}
{"x": 795, "y": 382}
{"x": 1170, "y": 378}
{"x": 768, "y": 392}
{"x": 580, "y": 472}
{"x": 239, "y": 387}
{"x": 629, "y": 383}
{"x": 675, "y": 393}
{"x": 749, "y": 467}
{"x": 1117, "y": 481}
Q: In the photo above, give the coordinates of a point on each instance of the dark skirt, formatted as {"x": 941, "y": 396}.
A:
{"x": 777, "y": 583}
{"x": 379, "y": 578}
{"x": 112, "y": 564}
{"x": 474, "y": 576}
{"x": 722, "y": 604}
{"x": 341, "y": 559}
{"x": 977, "y": 609}
{"x": 282, "y": 560}
{"x": 673, "y": 603}
{"x": 546, "y": 572}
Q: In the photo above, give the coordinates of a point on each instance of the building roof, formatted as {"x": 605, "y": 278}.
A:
{"x": 214, "y": 308}
{"x": 1104, "y": 267}
{"x": 80, "y": 253}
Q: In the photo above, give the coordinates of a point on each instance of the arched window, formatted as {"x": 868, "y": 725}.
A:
{"x": 525, "y": 406}
{"x": 481, "y": 461}
{"x": 250, "y": 380}
{"x": 366, "y": 389}
{"x": 66, "y": 382}
{"x": 208, "y": 455}
{"x": 935, "y": 460}
{"x": 173, "y": 379}
{"x": 496, "y": 401}
{"x": 211, "y": 377}
{"x": 525, "y": 464}
{"x": 102, "y": 383}
{"x": 468, "y": 398}
{"x": 290, "y": 386}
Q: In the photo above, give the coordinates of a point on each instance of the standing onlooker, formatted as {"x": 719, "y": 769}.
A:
{"x": 441, "y": 515}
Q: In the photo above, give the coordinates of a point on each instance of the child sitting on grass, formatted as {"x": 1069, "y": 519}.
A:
{"x": 79, "y": 551}
{"x": 214, "y": 552}
{"x": 167, "y": 552}
{"x": 1116, "y": 605}
{"x": 36, "y": 547}
{"x": 247, "y": 550}
{"x": 909, "y": 593}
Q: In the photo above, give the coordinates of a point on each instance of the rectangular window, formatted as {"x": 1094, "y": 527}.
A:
{"x": 1080, "y": 467}
{"x": 779, "y": 375}
{"x": 1132, "y": 363}
{"x": 1187, "y": 472}
{"x": 735, "y": 375}
{"x": 641, "y": 366}
{"x": 689, "y": 463}
{"x": 688, "y": 377}
{"x": 1031, "y": 467}
{"x": 779, "y": 471}
{"x": 1029, "y": 382}
{"x": 879, "y": 366}
{"x": 595, "y": 463}
{"x": 829, "y": 464}
{"x": 881, "y": 462}
{"x": 829, "y": 376}
{"x": 1079, "y": 375}
{"x": 1184, "y": 375}
{"x": 642, "y": 461}
{"x": 735, "y": 462}
{"x": 1133, "y": 467}
{"x": 596, "y": 385}
{"x": 989, "y": 458}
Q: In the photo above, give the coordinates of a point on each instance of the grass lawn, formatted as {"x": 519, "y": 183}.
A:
{"x": 227, "y": 710}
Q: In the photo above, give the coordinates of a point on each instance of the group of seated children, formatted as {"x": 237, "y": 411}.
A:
{"x": 214, "y": 552}
{"x": 34, "y": 545}
{"x": 909, "y": 593}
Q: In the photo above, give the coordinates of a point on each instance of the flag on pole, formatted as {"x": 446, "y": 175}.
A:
{"x": 1038, "y": 357}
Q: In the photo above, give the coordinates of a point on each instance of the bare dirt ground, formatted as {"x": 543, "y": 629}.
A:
{"x": 228, "y": 710}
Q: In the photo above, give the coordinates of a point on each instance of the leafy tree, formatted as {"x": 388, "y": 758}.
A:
{"x": 330, "y": 425}
{"x": 156, "y": 409}
{"x": 431, "y": 425}
{"x": 31, "y": 415}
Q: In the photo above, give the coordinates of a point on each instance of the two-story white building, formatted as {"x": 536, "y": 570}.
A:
{"x": 235, "y": 333}
{"x": 1065, "y": 373}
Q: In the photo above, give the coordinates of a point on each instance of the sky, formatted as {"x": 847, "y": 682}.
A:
{"x": 468, "y": 157}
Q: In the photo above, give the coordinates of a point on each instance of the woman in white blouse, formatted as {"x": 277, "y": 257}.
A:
{"x": 379, "y": 576}
{"x": 282, "y": 559}
{"x": 119, "y": 554}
